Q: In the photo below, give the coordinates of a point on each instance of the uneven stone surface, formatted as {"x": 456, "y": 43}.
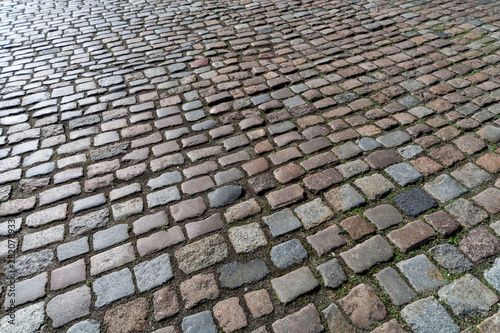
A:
{"x": 292, "y": 285}
{"x": 367, "y": 254}
{"x": 146, "y": 143}
{"x": 428, "y": 315}
{"x": 421, "y": 273}
{"x": 467, "y": 296}
{"x": 363, "y": 306}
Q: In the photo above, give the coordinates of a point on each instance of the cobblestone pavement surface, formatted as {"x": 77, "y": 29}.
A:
{"x": 251, "y": 166}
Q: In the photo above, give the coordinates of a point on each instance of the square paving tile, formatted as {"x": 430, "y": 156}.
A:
{"x": 414, "y": 202}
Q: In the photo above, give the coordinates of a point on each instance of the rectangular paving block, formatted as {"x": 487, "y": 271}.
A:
{"x": 364, "y": 256}
{"x": 294, "y": 284}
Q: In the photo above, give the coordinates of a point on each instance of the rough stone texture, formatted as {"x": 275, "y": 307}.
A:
{"x": 288, "y": 253}
{"x": 490, "y": 325}
{"x": 427, "y": 315}
{"x": 294, "y": 284}
{"x": 444, "y": 188}
{"x": 344, "y": 198}
{"x": 306, "y": 320}
{"x": 448, "y": 257}
{"x": 403, "y": 174}
{"x": 479, "y": 244}
{"x": 411, "y": 236}
{"x": 391, "y": 326}
{"x": 367, "y": 254}
{"x": 326, "y": 240}
{"x": 414, "y": 202}
{"x": 247, "y": 238}
{"x": 128, "y": 317}
{"x": 28, "y": 319}
{"x": 337, "y": 322}
{"x": 199, "y": 288}
{"x": 492, "y": 275}
{"x": 397, "y": 289}
{"x": 443, "y": 223}
{"x": 69, "y": 306}
{"x": 466, "y": 213}
{"x": 259, "y": 303}
{"x": 186, "y": 119}
{"x": 201, "y": 254}
{"x": 375, "y": 186}
{"x": 313, "y": 213}
{"x": 363, "y": 306}
{"x": 165, "y": 303}
{"x": 421, "y": 273}
{"x": 112, "y": 287}
{"x": 153, "y": 273}
{"x": 332, "y": 273}
{"x": 236, "y": 274}
{"x": 282, "y": 222}
{"x": 230, "y": 315}
{"x": 467, "y": 296}
{"x": 201, "y": 322}
{"x": 384, "y": 216}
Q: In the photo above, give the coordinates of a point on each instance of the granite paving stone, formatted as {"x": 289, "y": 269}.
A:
{"x": 332, "y": 273}
{"x": 467, "y": 296}
{"x": 479, "y": 244}
{"x": 363, "y": 306}
{"x": 384, "y": 216}
{"x": 426, "y": 315}
{"x": 466, "y": 213}
{"x": 307, "y": 318}
{"x": 444, "y": 188}
{"x": 421, "y": 273}
{"x": 403, "y": 174}
{"x": 414, "y": 202}
{"x": 448, "y": 257}
{"x": 411, "y": 236}
{"x": 397, "y": 289}
{"x": 294, "y": 284}
{"x": 236, "y": 274}
{"x": 364, "y": 256}
{"x": 69, "y": 306}
{"x": 288, "y": 253}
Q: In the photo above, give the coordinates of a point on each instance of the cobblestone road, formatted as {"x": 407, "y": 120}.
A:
{"x": 251, "y": 166}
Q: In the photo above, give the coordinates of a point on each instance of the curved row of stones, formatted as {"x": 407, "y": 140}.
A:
{"x": 258, "y": 166}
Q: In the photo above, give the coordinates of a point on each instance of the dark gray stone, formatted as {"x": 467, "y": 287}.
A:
{"x": 236, "y": 274}
{"x": 224, "y": 196}
{"x": 414, "y": 202}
